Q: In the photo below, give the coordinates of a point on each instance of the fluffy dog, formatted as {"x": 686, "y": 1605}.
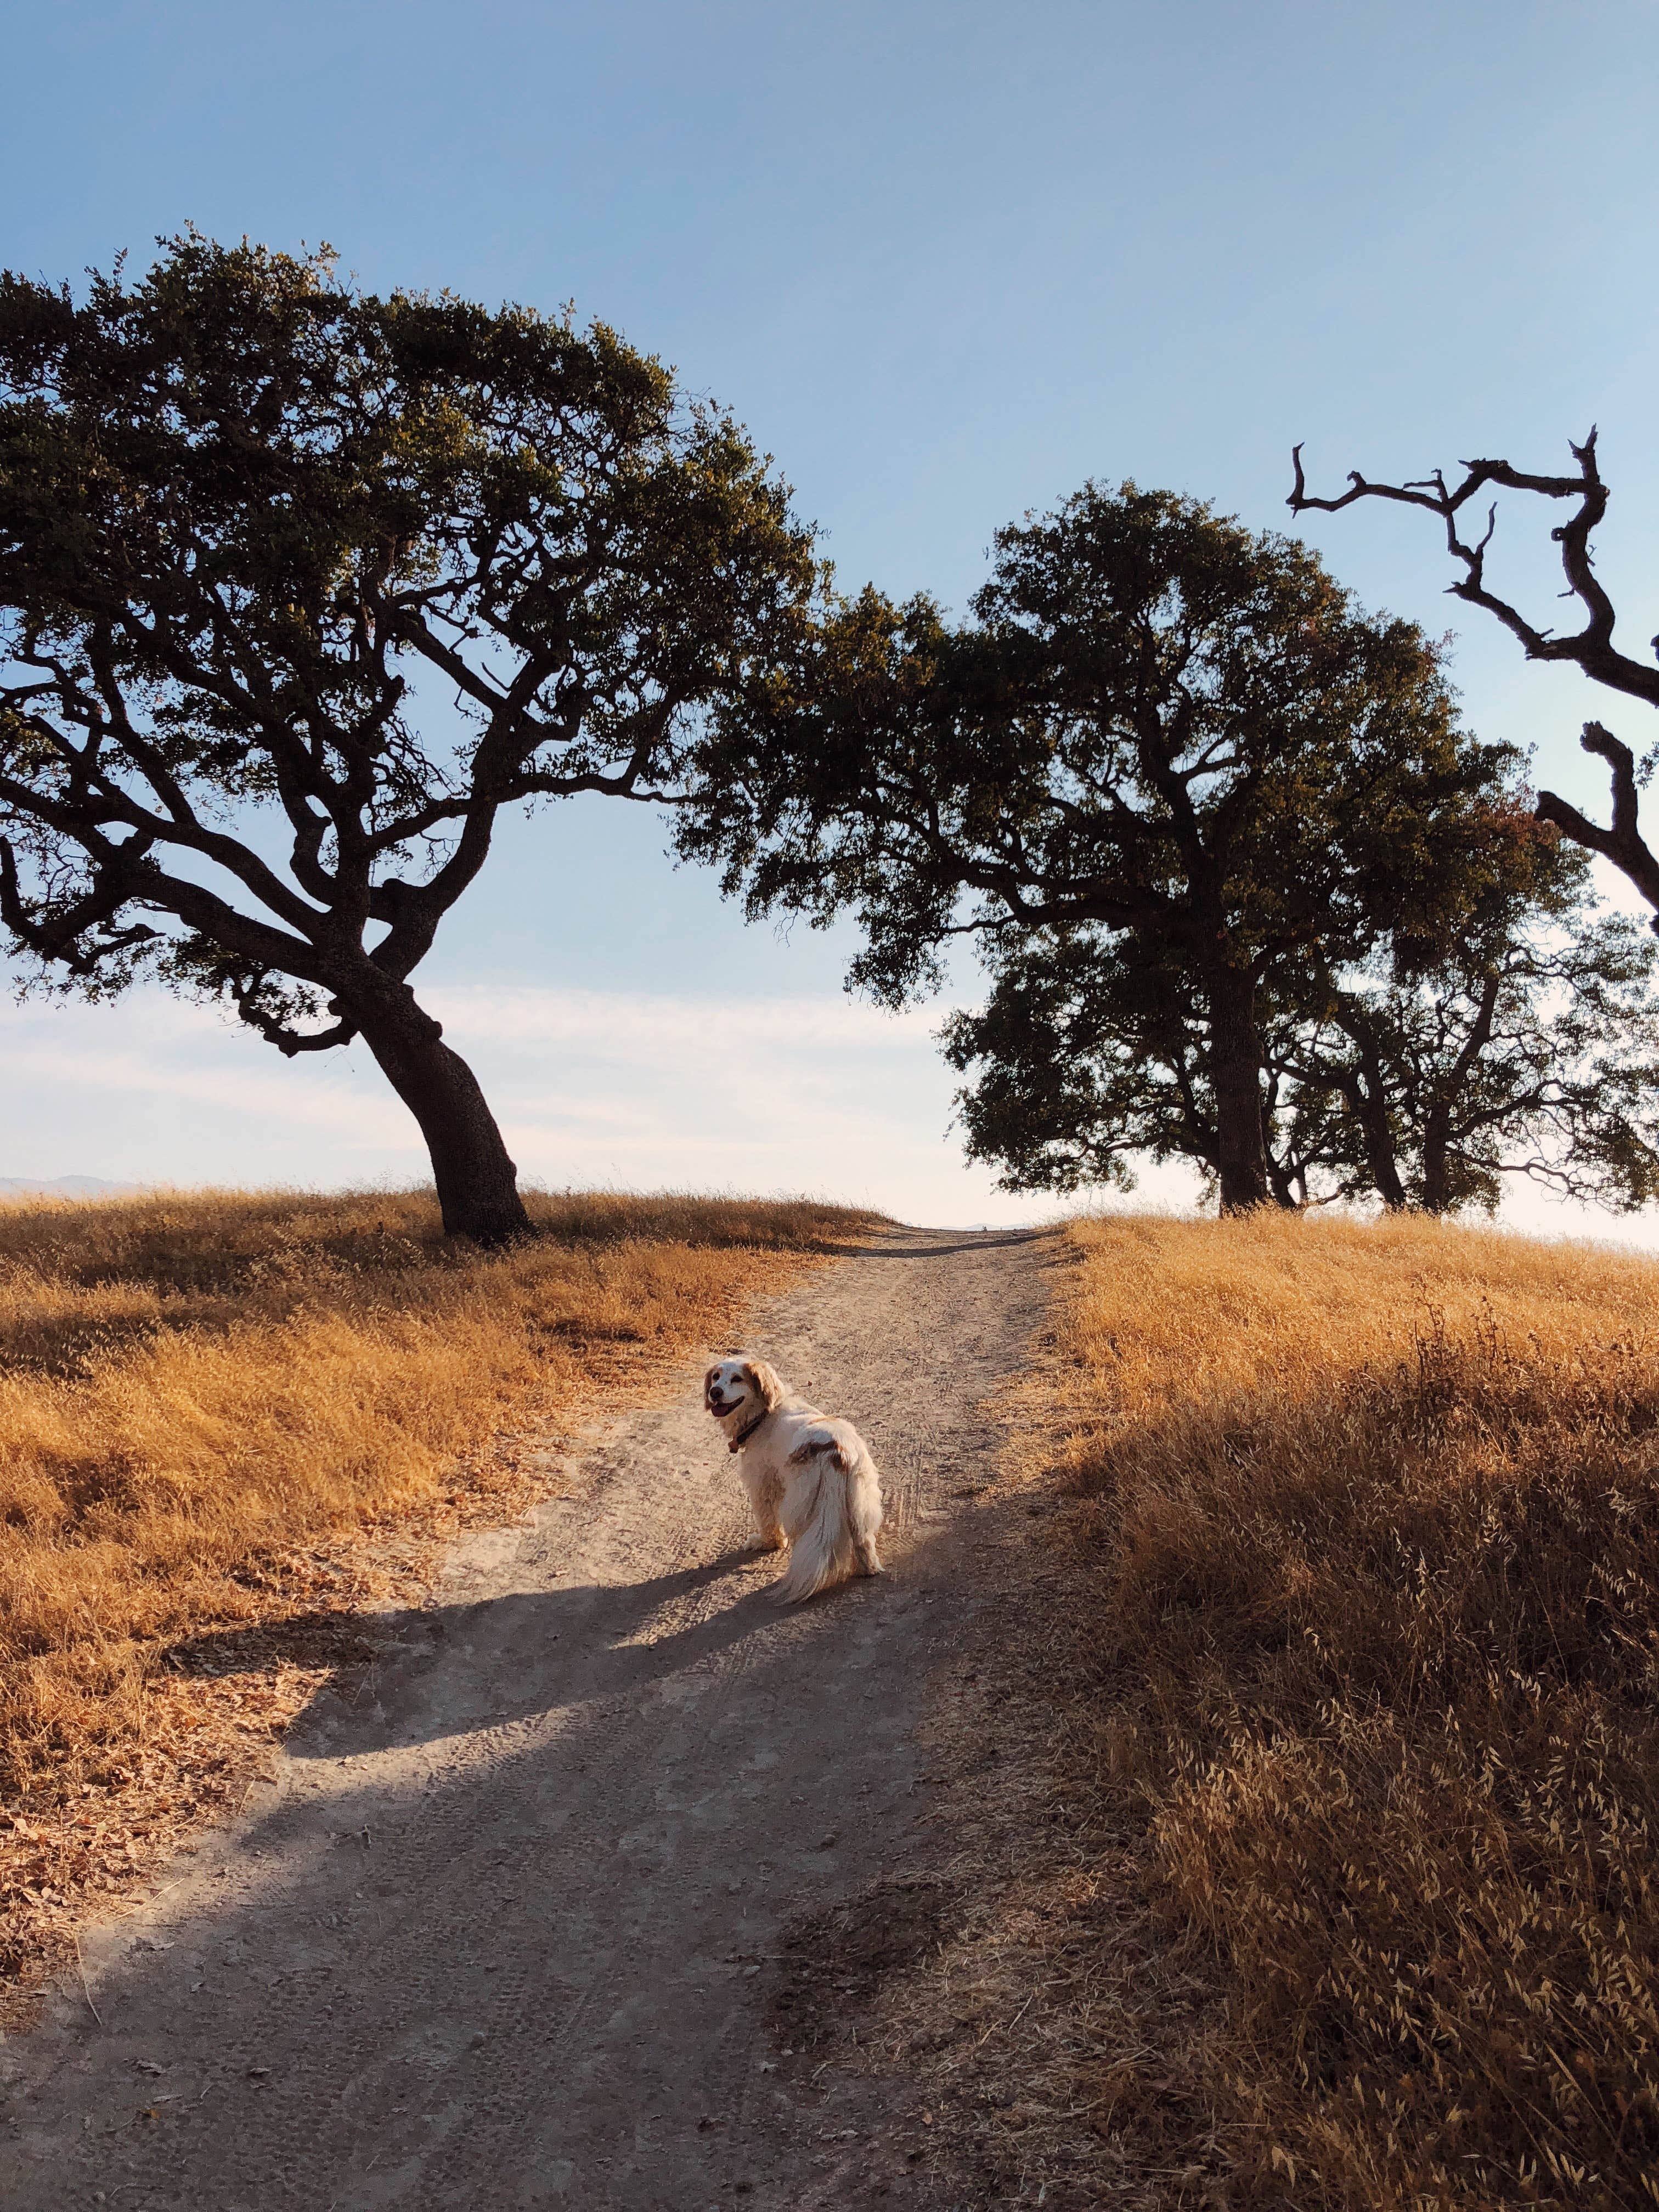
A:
{"x": 810, "y": 1480}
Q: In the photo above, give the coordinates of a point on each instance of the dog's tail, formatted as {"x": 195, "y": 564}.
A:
{"x": 821, "y": 1548}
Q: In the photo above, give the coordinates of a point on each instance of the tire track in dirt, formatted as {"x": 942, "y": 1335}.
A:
{"x": 501, "y": 1927}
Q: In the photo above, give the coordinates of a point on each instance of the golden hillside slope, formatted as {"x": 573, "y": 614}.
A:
{"x": 1370, "y": 1630}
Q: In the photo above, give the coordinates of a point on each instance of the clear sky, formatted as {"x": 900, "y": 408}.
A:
{"x": 947, "y": 261}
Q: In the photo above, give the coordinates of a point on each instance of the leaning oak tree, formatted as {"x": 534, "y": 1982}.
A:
{"x": 299, "y": 588}
{"x": 1159, "y": 725}
{"x": 1590, "y": 648}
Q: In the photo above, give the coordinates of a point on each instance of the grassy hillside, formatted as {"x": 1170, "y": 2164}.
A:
{"x": 206, "y": 1398}
{"x": 1367, "y": 1623}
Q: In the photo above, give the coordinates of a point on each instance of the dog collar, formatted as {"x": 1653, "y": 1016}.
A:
{"x": 737, "y": 1441}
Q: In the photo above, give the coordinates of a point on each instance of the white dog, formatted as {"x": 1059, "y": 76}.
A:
{"x": 812, "y": 1481}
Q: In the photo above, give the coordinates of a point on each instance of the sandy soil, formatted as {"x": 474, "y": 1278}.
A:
{"x": 520, "y": 1915}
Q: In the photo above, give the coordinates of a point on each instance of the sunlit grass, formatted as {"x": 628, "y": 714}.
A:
{"x": 1375, "y": 1613}
{"x": 192, "y": 1384}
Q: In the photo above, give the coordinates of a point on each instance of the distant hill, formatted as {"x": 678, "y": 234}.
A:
{"x": 62, "y": 1186}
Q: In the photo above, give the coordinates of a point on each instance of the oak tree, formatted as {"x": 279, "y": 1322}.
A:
{"x": 300, "y": 588}
{"x": 1523, "y": 1048}
{"x": 1526, "y": 1051}
{"x": 1181, "y": 735}
{"x": 1089, "y": 1057}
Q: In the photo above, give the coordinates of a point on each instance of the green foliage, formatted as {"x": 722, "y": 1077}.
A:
{"x": 1525, "y": 1047}
{"x": 1157, "y": 721}
{"x": 245, "y": 509}
{"x": 1179, "y": 739}
{"x": 1087, "y": 1058}
{"x": 1529, "y": 1050}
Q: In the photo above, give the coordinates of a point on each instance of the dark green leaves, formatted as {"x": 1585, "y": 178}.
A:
{"x": 378, "y": 566}
{"x": 1162, "y": 737}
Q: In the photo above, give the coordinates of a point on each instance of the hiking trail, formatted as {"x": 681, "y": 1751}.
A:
{"x": 501, "y": 1926}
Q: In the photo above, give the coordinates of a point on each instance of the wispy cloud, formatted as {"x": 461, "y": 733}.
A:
{"x": 113, "y": 1069}
{"x": 635, "y": 1088}
{"x": 723, "y": 1024}
{"x": 638, "y": 1087}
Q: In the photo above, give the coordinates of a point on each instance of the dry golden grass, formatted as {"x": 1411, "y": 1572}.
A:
{"x": 1365, "y": 1609}
{"x": 208, "y": 1400}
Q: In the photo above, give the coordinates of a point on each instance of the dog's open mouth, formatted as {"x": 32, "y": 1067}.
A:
{"x": 719, "y": 1409}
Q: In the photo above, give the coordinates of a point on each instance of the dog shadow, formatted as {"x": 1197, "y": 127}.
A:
{"x": 415, "y": 1676}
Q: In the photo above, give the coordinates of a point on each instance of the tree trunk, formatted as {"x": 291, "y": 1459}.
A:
{"x": 1380, "y": 1156}
{"x": 1437, "y": 1160}
{"x": 1236, "y": 1081}
{"x": 476, "y": 1182}
{"x": 1290, "y": 1175}
{"x": 1437, "y": 1122}
{"x": 1366, "y": 1091}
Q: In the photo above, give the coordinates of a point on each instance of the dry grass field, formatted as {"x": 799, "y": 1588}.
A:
{"x": 1358, "y": 1617}
{"x": 223, "y": 1408}
{"x": 1300, "y": 1793}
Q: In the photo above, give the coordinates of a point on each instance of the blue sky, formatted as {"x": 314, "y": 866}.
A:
{"x": 946, "y": 262}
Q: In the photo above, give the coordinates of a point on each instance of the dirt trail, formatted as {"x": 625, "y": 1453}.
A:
{"x": 500, "y": 1930}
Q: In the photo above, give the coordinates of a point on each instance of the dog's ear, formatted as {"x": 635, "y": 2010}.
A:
{"x": 768, "y": 1383}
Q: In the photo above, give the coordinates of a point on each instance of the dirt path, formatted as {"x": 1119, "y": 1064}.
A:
{"x": 502, "y": 1928}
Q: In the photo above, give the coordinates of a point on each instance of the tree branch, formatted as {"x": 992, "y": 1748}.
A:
{"x": 1592, "y": 647}
{"x": 244, "y": 990}
{"x": 1623, "y": 844}
{"x": 60, "y": 938}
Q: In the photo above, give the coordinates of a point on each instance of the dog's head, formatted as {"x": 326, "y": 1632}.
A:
{"x": 743, "y": 1385}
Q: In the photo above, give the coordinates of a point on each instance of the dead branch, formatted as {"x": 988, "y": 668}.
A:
{"x": 1591, "y": 647}
{"x": 1623, "y": 844}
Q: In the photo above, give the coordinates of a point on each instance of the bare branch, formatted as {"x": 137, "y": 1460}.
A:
{"x": 1591, "y": 647}
{"x": 1623, "y": 844}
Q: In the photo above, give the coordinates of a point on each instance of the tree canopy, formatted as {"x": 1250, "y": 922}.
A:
{"x": 1180, "y": 741}
{"x": 299, "y": 586}
{"x": 1525, "y": 1047}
